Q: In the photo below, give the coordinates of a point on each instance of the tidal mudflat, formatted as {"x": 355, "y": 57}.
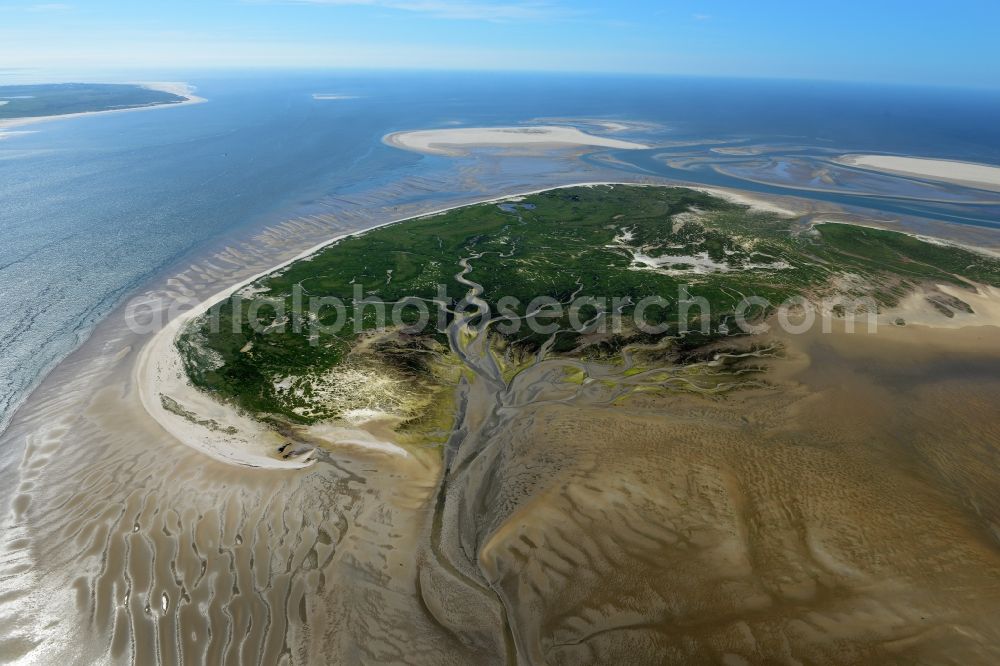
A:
{"x": 810, "y": 497}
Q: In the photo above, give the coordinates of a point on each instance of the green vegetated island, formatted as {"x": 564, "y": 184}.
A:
{"x": 58, "y": 99}
{"x": 623, "y": 242}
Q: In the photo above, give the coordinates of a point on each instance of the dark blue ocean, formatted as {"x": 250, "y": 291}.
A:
{"x": 93, "y": 208}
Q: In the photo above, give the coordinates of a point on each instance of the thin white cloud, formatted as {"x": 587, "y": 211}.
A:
{"x": 49, "y": 7}
{"x": 702, "y": 17}
{"x": 455, "y": 9}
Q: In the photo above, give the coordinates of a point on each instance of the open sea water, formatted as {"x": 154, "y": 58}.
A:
{"x": 93, "y": 208}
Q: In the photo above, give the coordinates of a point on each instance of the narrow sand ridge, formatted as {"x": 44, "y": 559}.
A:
{"x": 453, "y": 141}
{"x": 969, "y": 174}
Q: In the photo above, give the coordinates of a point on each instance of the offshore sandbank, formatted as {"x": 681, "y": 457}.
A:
{"x": 969, "y": 174}
{"x": 454, "y": 141}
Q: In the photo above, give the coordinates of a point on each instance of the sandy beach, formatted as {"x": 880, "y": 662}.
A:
{"x": 454, "y": 141}
{"x": 983, "y": 176}
{"x": 760, "y": 203}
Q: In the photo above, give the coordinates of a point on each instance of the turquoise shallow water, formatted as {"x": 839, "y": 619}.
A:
{"x": 92, "y": 208}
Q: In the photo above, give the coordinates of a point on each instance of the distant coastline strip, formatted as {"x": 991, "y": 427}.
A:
{"x": 181, "y": 90}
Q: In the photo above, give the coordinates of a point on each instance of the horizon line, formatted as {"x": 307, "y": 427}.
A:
{"x": 60, "y": 73}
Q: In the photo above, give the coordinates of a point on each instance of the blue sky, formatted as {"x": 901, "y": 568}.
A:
{"x": 912, "y": 41}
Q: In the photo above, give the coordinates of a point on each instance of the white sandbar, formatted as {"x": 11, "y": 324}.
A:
{"x": 969, "y": 174}
{"x": 452, "y": 141}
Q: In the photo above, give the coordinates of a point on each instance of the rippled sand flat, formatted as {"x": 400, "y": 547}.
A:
{"x": 123, "y": 545}
{"x": 847, "y": 515}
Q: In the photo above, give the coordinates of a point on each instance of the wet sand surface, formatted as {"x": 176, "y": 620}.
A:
{"x": 844, "y": 516}
{"x": 848, "y": 512}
